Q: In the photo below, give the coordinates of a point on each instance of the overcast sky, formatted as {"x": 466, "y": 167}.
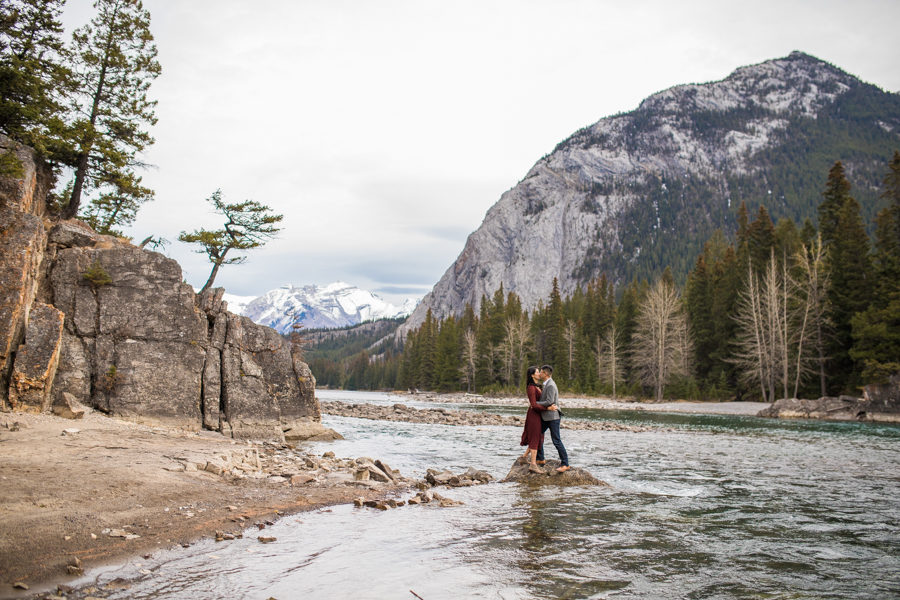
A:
{"x": 384, "y": 130}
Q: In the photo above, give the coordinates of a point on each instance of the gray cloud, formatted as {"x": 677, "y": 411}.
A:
{"x": 384, "y": 140}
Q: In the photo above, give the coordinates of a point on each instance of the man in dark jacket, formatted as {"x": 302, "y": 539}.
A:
{"x": 550, "y": 417}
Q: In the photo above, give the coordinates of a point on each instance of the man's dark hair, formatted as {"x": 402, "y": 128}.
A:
{"x": 547, "y": 369}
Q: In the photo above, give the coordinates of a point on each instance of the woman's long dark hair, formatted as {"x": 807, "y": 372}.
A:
{"x": 528, "y": 379}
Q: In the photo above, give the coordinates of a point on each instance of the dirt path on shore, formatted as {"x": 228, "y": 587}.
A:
{"x": 100, "y": 489}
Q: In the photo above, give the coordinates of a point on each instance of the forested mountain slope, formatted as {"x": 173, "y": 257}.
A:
{"x": 636, "y": 192}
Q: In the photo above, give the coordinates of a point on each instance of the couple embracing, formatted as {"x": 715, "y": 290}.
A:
{"x": 543, "y": 414}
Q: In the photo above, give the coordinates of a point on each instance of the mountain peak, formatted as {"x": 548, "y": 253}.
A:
{"x": 334, "y": 305}
{"x": 798, "y": 82}
{"x": 639, "y": 190}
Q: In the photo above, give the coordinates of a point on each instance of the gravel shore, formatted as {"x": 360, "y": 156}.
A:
{"x": 444, "y": 416}
{"x": 681, "y": 406}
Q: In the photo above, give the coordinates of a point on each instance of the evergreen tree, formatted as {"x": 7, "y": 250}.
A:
{"x": 849, "y": 267}
{"x": 427, "y": 359}
{"x": 876, "y": 331}
{"x": 743, "y": 228}
{"x": 447, "y": 355}
{"x": 115, "y": 62}
{"x": 726, "y": 281}
{"x": 553, "y": 332}
{"x": 485, "y": 348}
{"x": 698, "y": 306}
{"x": 761, "y": 239}
{"x": 787, "y": 239}
{"x": 248, "y": 225}
{"x": 32, "y": 74}
{"x": 626, "y": 319}
{"x": 836, "y": 194}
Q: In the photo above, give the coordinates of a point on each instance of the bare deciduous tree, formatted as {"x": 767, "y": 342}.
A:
{"x": 469, "y": 356}
{"x": 755, "y": 344}
{"x": 570, "y": 334}
{"x": 813, "y": 283}
{"x": 517, "y": 335}
{"x": 774, "y": 317}
{"x": 661, "y": 345}
{"x": 609, "y": 358}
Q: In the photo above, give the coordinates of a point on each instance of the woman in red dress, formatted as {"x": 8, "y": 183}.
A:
{"x": 532, "y": 436}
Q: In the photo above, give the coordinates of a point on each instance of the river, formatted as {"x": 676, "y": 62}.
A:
{"x": 705, "y": 506}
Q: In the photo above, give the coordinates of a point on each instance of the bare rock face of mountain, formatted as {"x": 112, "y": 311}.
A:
{"x": 637, "y": 191}
{"x": 91, "y": 319}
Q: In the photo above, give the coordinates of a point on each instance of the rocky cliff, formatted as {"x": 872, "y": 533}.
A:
{"x": 638, "y": 191}
{"x": 92, "y": 319}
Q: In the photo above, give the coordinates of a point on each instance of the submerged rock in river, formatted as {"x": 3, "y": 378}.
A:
{"x": 550, "y": 476}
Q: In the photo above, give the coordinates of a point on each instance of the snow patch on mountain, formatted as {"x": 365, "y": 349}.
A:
{"x": 335, "y": 305}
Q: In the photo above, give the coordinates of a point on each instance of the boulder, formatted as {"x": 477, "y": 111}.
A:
{"x": 134, "y": 342}
{"x": 69, "y": 407}
{"x": 550, "y": 476}
{"x": 262, "y": 389}
{"x": 469, "y": 477}
{"x": 883, "y": 397}
{"x": 310, "y": 431}
{"x": 37, "y": 360}
{"x": 875, "y": 406}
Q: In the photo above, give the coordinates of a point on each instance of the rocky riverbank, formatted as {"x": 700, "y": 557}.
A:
{"x": 446, "y": 416}
{"x": 597, "y": 403}
{"x": 77, "y": 494}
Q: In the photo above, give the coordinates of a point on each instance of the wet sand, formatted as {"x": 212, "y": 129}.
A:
{"x": 67, "y": 496}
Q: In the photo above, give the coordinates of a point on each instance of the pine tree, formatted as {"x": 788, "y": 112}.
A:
{"x": 849, "y": 268}
{"x": 115, "y": 62}
{"x": 32, "y": 72}
{"x": 427, "y": 358}
{"x": 876, "y": 331}
{"x": 447, "y": 355}
{"x": 787, "y": 239}
{"x": 743, "y": 228}
{"x": 725, "y": 277}
{"x": 626, "y": 319}
{"x": 486, "y": 350}
{"x": 248, "y": 225}
{"x": 698, "y": 305}
{"x": 836, "y": 194}
{"x": 554, "y": 324}
{"x": 761, "y": 239}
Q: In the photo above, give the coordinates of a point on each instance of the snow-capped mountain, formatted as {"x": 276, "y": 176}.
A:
{"x": 334, "y": 305}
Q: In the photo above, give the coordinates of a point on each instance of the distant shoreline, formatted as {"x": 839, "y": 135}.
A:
{"x": 678, "y": 406}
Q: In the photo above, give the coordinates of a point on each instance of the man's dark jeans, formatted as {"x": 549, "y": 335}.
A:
{"x": 553, "y": 426}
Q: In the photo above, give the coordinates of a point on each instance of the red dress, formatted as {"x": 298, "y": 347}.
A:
{"x": 532, "y": 435}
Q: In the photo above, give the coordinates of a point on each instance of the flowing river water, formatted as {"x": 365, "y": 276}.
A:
{"x": 704, "y": 507}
